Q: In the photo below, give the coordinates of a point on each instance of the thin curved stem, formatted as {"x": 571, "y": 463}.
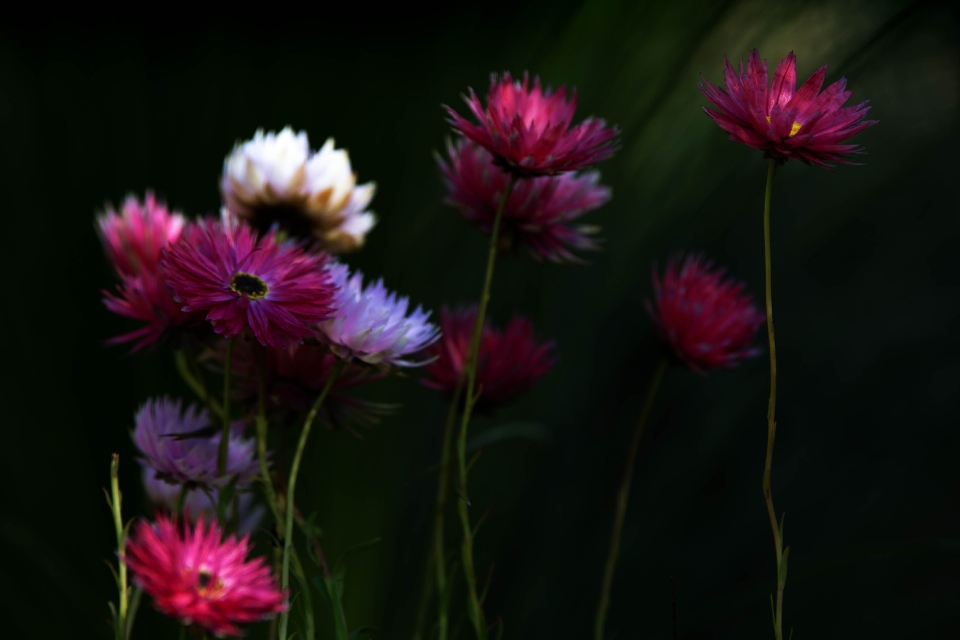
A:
{"x": 225, "y": 434}
{"x": 474, "y": 605}
{"x": 291, "y": 488}
{"x": 115, "y": 500}
{"x": 443, "y": 492}
{"x": 623, "y": 498}
{"x": 771, "y": 406}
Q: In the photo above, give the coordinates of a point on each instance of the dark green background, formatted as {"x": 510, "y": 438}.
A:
{"x": 866, "y": 286}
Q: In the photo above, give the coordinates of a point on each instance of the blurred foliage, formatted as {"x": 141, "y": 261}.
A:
{"x": 866, "y": 287}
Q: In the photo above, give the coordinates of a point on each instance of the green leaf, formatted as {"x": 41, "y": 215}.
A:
{"x": 356, "y": 634}
{"x": 321, "y": 586}
{"x": 532, "y": 431}
{"x": 782, "y": 577}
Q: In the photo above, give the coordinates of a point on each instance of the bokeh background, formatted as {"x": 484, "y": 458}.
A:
{"x": 867, "y": 288}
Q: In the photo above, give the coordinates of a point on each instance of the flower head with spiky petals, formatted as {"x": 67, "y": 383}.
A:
{"x": 540, "y": 212}
{"x": 371, "y": 323}
{"x": 202, "y": 502}
{"x": 705, "y": 319}
{"x": 528, "y": 130}
{"x": 174, "y": 443}
{"x": 292, "y": 379}
{"x": 277, "y": 290}
{"x": 199, "y": 577}
{"x": 274, "y": 178}
{"x": 509, "y": 364}
{"x": 782, "y": 121}
{"x": 135, "y": 238}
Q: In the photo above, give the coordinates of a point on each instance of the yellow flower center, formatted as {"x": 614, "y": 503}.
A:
{"x": 793, "y": 130}
{"x": 249, "y": 285}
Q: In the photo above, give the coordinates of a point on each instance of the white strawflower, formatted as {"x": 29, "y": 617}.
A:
{"x": 275, "y": 179}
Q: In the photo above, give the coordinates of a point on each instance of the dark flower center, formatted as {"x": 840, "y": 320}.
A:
{"x": 207, "y": 585}
{"x": 249, "y": 285}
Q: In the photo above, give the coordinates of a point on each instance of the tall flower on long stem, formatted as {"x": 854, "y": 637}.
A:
{"x": 704, "y": 321}
{"x": 784, "y": 123}
{"x": 529, "y": 133}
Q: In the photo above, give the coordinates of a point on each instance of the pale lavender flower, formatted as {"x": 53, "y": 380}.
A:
{"x": 371, "y": 323}
{"x": 191, "y": 459}
{"x": 202, "y": 502}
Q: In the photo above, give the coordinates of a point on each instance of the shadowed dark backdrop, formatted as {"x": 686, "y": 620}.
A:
{"x": 866, "y": 286}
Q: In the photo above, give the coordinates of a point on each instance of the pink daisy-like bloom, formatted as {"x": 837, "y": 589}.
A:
{"x": 276, "y": 289}
{"x": 198, "y": 577}
{"x": 782, "y": 121}
{"x": 705, "y": 319}
{"x": 135, "y": 238}
{"x": 528, "y": 130}
{"x": 147, "y": 298}
{"x": 510, "y": 361}
{"x": 539, "y": 213}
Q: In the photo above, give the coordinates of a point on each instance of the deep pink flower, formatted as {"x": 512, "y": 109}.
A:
{"x": 784, "y": 122}
{"x": 539, "y": 213}
{"x": 528, "y": 129}
{"x": 134, "y": 239}
{"x": 147, "y": 298}
{"x": 510, "y": 361}
{"x": 705, "y": 319}
{"x": 293, "y": 378}
{"x": 197, "y": 577}
{"x": 277, "y": 289}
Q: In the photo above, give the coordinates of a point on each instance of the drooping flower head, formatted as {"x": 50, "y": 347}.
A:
{"x": 540, "y": 212}
{"x": 275, "y": 179}
{"x": 705, "y": 319}
{"x": 202, "y": 502}
{"x": 528, "y": 130}
{"x": 782, "y": 121}
{"x": 371, "y": 323}
{"x": 134, "y": 238}
{"x": 276, "y": 289}
{"x": 190, "y": 459}
{"x": 199, "y": 577}
{"x": 293, "y": 379}
{"x": 510, "y": 361}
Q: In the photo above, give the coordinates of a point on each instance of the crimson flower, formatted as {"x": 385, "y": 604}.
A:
{"x": 197, "y": 577}
{"x": 782, "y": 121}
{"x": 276, "y": 289}
{"x": 528, "y": 130}
{"x": 134, "y": 238}
{"x": 510, "y": 361}
{"x": 540, "y": 212}
{"x": 706, "y": 320}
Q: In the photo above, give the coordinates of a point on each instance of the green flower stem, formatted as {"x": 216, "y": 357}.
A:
{"x": 261, "y": 422}
{"x": 291, "y": 488}
{"x": 474, "y": 605}
{"x": 771, "y": 410}
{"x": 225, "y": 435}
{"x": 181, "y": 498}
{"x": 443, "y": 492}
{"x": 115, "y": 507}
{"x": 190, "y": 372}
{"x": 623, "y": 497}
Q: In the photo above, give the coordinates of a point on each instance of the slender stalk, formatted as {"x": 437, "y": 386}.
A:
{"x": 115, "y": 508}
{"x": 623, "y": 497}
{"x": 771, "y": 407}
{"x": 181, "y": 498}
{"x": 291, "y": 488}
{"x": 190, "y": 371}
{"x": 262, "y": 442}
{"x": 443, "y": 492}
{"x": 474, "y": 605}
{"x": 225, "y": 435}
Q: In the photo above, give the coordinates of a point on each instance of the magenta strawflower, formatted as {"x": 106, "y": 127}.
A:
{"x": 135, "y": 238}
{"x": 705, "y": 319}
{"x": 277, "y": 290}
{"x": 510, "y": 361}
{"x": 540, "y": 212}
{"x": 528, "y": 130}
{"x": 199, "y": 577}
{"x": 782, "y": 121}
